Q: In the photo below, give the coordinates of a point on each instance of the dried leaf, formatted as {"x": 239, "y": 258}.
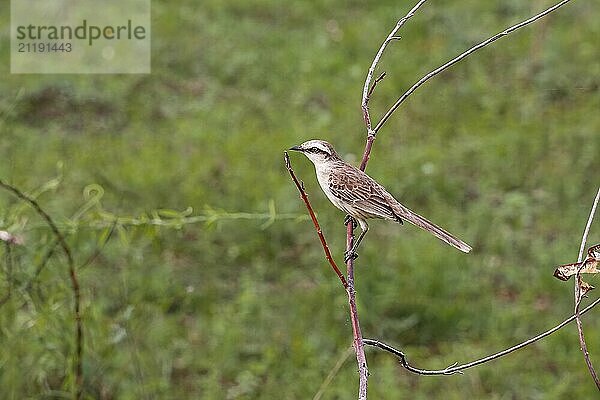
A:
{"x": 585, "y": 288}
{"x": 594, "y": 252}
{"x": 587, "y": 266}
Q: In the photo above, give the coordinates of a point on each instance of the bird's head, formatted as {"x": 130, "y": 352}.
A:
{"x": 317, "y": 151}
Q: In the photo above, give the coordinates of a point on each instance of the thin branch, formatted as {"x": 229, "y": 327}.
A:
{"x": 359, "y": 348}
{"x": 460, "y": 57}
{"x": 588, "y": 225}
{"x": 374, "y": 85}
{"x": 361, "y": 359}
{"x": 579, "y": 295}
{"x": 458, "y": 368}
{"x": 368, "y": 88}
{"x": 304, "y": 197}
{"x": 77, "y": 364}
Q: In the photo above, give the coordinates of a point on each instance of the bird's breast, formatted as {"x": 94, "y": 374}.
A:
{"x": 323, "y": 176}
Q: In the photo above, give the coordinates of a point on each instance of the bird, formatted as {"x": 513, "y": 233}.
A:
{"x": 361, "y": 197}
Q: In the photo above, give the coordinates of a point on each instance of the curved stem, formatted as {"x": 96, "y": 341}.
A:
{"x": 77, "y": 365}
{"x": 458, "y": 368}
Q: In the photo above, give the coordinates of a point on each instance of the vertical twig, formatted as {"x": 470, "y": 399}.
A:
{"x": 77, "y": 364}
{"x": 368, "y": 88}
{"x": 579, "y": 296}
{"x": 357, "y": 342}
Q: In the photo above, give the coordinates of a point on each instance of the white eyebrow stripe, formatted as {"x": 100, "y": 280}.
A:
{"x": 321, "y": 147}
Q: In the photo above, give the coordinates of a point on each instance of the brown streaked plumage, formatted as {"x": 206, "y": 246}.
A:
{"x": 361, "y": 197}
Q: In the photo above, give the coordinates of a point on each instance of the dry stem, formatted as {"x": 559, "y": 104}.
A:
{"x": 357, "y": 342}
{"x": 368, "y": 89}
{"x": 579, "y": 296}
{"x": 77, "y": 363}
{"x": 459, "y": 58}
{"x": 458, "y": 368}
{"x": 304, "y": 197}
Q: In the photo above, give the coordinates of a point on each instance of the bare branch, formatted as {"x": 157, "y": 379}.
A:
{"x": 361, "y": 359}
{"x": 379, "y": 79}
{"x": 578, "y": 294}
{"x": 368, "y": 88}
{"x": 304, "y": 197}
{"x": 588, "y": 225}
{"x": 77, "y": 364}
{"x": 458, "y": 368}
{"x": 359, "y": 348}
{"x": 459, "y": 58}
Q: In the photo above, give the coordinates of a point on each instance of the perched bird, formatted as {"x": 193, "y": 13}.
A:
{"x": 358, "y": 195}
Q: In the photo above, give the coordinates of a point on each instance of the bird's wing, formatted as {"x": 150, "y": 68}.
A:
{"x": 362, "y": 194}
{"x": 370, "y": 200}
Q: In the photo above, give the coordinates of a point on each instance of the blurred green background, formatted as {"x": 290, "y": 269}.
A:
{"x": 501, "y": 150}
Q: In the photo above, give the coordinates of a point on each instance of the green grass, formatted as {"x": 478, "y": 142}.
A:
{"x": 502, "y": 150}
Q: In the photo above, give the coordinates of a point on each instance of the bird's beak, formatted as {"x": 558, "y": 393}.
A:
{"x": 296, "y": 148}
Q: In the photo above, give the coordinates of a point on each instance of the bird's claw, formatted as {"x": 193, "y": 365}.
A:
{"x": 348, "y": 255}
{"x": 350, "y": 219}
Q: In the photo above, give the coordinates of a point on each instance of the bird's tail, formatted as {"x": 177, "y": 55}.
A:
{"x": 417, "y": 220}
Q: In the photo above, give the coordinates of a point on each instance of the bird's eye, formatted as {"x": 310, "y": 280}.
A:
{"x": 314, "y": 150}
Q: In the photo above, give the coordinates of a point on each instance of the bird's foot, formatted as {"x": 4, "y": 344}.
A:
{"x": 350, "y": 219}
{"x": 348, "y": 255}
